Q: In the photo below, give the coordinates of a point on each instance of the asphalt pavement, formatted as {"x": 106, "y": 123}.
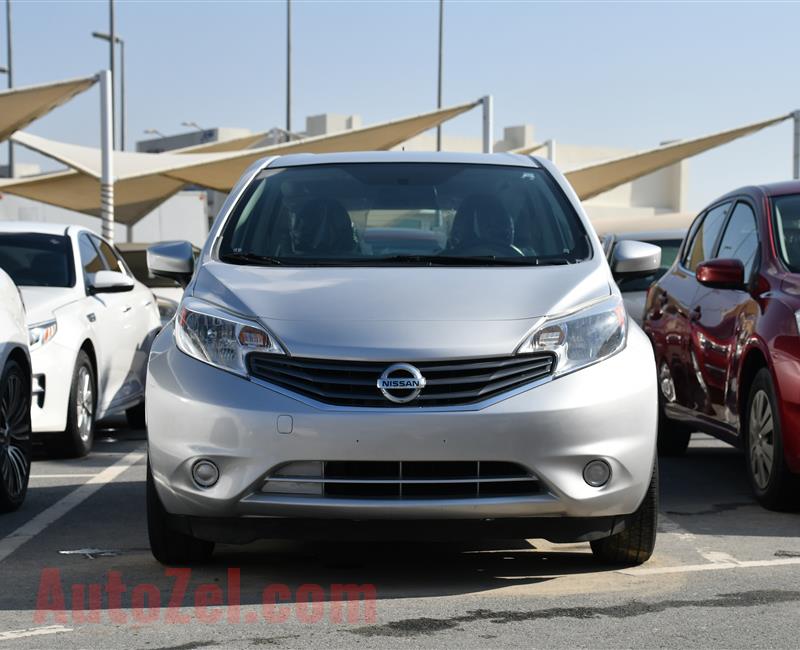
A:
{"x": 76, "y": 572}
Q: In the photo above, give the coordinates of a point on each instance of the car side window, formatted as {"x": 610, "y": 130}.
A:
{"x": 705, "y": 236}
{"x": 90, "y": 258}
{"x": 108, "y": 255}
{"x": 740, "y": 240}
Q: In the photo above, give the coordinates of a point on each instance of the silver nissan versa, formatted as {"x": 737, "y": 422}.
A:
{"x": 402, "y": 345}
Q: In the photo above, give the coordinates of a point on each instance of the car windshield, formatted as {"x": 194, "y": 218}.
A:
{"x": 419, "y": 214}
{"x": 787, "y": 221}
{"x": 669, "y": 251}
{"x": 37, "y": 260}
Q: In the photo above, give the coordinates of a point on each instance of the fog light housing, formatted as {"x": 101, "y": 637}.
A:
{"x": 205, "y": 473}
{"x": 596, "y": 473}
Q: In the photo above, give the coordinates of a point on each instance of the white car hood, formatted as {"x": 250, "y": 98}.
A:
{"x": 42, "y": 302}
{"x": 411, "y": 313}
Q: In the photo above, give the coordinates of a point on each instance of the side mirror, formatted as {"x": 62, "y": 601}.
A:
{"x": 721, "y": 274}
{"x": 635, "y": 259}
{"x": 109, "y": 282}
{"x": 173, "y": 260}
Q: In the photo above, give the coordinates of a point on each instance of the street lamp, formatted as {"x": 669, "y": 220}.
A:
{"x": 193, "y": 125}
{"x": 154, "y": 132}
{"x": 8, "y": 71}
{"x": 119, "y": 41}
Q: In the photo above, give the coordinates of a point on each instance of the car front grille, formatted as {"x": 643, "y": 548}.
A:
{"x": 354, "y": 383}
{"x": 402, "y": 479}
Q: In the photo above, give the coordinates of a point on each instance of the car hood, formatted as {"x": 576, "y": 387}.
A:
{"x": 413, "y": 313}
{"x": 42, "y": 302}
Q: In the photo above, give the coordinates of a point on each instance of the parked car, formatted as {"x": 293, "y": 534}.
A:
{"x": 15, "y": 398}
{"x": 634, "y": 289}
{"x": 168, "y": 292}
{"x": 91, "y": 324}
{"x": 311, "y": 387}
{"x": 725, "y": 327}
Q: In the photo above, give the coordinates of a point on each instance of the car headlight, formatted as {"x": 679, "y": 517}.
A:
{"x": 41, "y": 333}
{"x": 219, "y": 338}
{"x": 584, "y": 337}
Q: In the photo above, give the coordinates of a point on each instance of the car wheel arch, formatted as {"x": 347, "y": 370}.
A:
{"x": 18, "y": 355}
{"x": 754, "y": 359}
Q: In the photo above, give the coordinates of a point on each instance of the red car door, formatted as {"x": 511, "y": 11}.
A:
{"x": 670, "y": 312}
{"x": 722, "y": 320}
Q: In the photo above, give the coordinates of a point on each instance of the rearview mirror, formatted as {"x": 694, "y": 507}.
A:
{"x": 721, "y": 274}
{"x": 635, "y": 259}
{"x": 109, "y": 282}
{"x": 173, "y": 260}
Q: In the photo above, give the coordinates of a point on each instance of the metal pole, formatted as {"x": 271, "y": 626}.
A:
{"x": 10, "y": 77}
{"x": 488, "y": 124}
{"x": 123, "y": 123}
{"x": 111, "y": 46}
{"x": 796, "y": 152}
{"x": 439, "y": 88}
{"x": 288, "y": 67}
{"x": 106, "y": 143}
{"x": 551, "y": 150}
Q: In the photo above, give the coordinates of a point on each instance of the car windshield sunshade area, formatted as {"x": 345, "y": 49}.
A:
{"x": 37, "y": 260}
{"x": 416, "y": 214}
{"x": 787, "y": 229}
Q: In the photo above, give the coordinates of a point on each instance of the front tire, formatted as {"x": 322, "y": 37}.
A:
{"x": 673, "y": 437}
{"x": 635, "y": 544}
{"x": 169, "y": 546}
{"x": 78, "y": 437}
{"x": 774, "y": 485}
{"x": 15, "y": 436}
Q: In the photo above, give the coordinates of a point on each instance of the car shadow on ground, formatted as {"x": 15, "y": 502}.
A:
{"x": 707, "y": 492}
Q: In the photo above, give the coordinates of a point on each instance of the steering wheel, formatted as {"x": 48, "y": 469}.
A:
{"x": 496, "y": 249}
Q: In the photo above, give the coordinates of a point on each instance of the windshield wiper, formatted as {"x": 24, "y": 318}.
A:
{"x": 470, "y": 260}
{"x": 251, "y": 258}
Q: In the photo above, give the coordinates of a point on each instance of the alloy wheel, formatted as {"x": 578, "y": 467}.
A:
{"x": 14, "y": 436}
{"x": 761, "y": 439}
{"x": 84, "y": 403}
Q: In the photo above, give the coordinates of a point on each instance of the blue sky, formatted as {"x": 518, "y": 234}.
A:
{"x": 616, "y": 74}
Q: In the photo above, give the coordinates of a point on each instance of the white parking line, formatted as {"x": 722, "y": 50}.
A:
{"x": 711, "y": 566}
{"x": 61, "y": 507}
{"x": 33, "y": 476}
{"x": 33, "y": 631}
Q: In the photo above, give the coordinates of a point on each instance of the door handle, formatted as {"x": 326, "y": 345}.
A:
{"x": 126, "y": 309}
{"x": 696, "y": 314}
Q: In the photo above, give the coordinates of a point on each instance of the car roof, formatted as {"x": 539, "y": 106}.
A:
{"x": 769, "y": 189}
{"x": 650, "y": 235}
{"x": 41, "y": 227}
{"x": 292, "y": 160}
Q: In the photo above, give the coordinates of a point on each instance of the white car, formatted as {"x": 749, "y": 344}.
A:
{"x": 168, "y": 292}
{"x": 15, "y": 398}
{"x": 90, "y": 325}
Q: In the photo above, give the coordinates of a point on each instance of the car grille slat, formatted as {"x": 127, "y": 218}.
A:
{"x": 354, "y": 383}
{"x": 404, "y": 479}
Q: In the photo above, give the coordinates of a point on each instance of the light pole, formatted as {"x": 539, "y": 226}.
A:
{"x": 154, "y": 132}
{"x": 9, "y": 72}
{"x": 288, "y": 66}
{"x": 119, "y": 41}
{"x": 439, "y": 87}
{"x": 193, "y": 125}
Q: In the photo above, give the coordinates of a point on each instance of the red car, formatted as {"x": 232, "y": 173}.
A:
{"x": 725, "y": 325}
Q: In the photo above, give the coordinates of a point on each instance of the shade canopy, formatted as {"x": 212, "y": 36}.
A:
{"x": 21, "y": 106}
{"x": 596, "y": 178}
{"x": 144, "y": 180}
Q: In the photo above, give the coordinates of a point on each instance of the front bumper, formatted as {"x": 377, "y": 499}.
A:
{"x": 52, "y": 366}
{"x": 606, "y": 411}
